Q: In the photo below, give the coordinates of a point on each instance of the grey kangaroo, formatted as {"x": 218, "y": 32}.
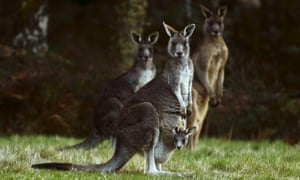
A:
{"x": 115, "y": 95}
{"x": 209, "y": 59}
{"x": 170, "y": 141}
{"x": 153, "y": 107}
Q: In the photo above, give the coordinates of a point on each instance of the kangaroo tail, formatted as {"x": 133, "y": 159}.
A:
{"x": 121, "y": 156}
{"x": 90, "y": 142}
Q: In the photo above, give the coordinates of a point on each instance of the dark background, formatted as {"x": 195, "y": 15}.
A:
{"x": 89, "y": 44}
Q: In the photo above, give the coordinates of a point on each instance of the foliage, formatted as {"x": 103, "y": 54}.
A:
{"x": 213, "y": 159}
{"x": 40, "y": 94}
{"x": 53, "y": 95}
{"x": 131, "y": 17}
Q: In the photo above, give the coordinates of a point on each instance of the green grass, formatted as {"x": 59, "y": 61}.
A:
{"x": 213, "y": 159}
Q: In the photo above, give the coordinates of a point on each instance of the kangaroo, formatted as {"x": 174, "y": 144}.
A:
{"x": 141, "y": 119}
{"x": 181, "y": 67}
{"x": 115, "y": 95}
{"x": 34, "y": 35}
{"x": 209, "y": 60}
{"x": 166, "y": 144}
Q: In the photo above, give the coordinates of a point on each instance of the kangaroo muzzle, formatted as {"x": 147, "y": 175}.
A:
{"x": 179, "y": 50}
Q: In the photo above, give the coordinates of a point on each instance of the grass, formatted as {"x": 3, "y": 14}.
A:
{"x": 213, "y": 159}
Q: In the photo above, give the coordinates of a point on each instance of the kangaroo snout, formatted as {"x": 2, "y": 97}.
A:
{"x": 179, "y": 147}
{"x": 179, "y": 54}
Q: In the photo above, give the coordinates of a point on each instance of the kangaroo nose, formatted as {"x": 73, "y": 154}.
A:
{"x": 179, "y": 147}
{"x": 179, "y": 54}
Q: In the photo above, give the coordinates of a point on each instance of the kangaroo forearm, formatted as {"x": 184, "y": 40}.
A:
{"x": 203, "y": 77}
{"x": 220, "y": 82}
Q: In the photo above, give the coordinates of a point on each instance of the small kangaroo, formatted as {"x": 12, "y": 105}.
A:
{"x": 166, "y": 144}
{"x": 209, "y": 60}
{"x": 115, "y": 95}
{"x": 141, "y": 121}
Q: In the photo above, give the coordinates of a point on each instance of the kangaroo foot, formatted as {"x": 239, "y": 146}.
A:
{"x": 171, "y": 173}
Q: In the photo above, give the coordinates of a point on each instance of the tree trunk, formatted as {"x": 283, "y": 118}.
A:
{"x": 131, "y": 17}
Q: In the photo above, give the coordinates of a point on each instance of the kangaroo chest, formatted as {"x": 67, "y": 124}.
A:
{"x": 141, "y": 77}
{"x": 216, "y": 62}
{"x": 183, "y": 76}
{"x": 145, "y": 76}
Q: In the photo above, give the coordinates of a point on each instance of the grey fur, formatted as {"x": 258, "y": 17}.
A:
{"x": 142, "y": 125}
{"x": 181, "y": 70}
{"x": 116, "y": 94}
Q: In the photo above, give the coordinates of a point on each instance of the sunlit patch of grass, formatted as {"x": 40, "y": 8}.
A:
{"x": 213, "y": 158}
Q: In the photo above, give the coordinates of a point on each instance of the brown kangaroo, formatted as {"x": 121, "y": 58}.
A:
{"x": 153, "y": 107}
{"x": 115, "y": 95}
{"x": 209, "y": 59}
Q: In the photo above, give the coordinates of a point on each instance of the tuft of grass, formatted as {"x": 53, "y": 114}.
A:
{"x": 212, "y": 159}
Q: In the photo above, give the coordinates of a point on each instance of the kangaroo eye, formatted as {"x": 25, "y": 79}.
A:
{"x": 173, "y": 44}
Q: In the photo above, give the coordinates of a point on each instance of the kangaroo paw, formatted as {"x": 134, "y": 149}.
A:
{"x": 214, "y": 102}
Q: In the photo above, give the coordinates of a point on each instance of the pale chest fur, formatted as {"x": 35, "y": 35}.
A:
{"x": 143, "y": 77}
{"x": 140, "y": 77}
{"x": 179, "y": 77}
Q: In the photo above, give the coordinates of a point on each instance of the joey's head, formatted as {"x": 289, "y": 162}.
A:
{"x": 144, "y": 51}
{"x": 179, "y": 45}
{"x": 213, "y": 24}
{"x": 181, "y": 136}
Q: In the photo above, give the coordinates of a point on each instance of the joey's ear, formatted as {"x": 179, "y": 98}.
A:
{"x": 205, "y": 11}
{"x": 169, "y": 30}
{"x": 222, "y": 11}
{"x": 136, "y": 37}
{"x": 190, "y": 131}
{"x": 153, "y": 37}
{"x": 188, "y": 30}
{"x": 174, "y": 131}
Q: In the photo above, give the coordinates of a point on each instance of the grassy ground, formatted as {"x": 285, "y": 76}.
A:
{"x": 213, "y": 159}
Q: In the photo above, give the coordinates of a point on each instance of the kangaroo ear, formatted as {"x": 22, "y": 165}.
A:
{"x": 174, "y": 131}
{"x": 205, "y": 11}
{"x": 169, "y": 30}
{"x": 136, "y": 37}
{"x": 188, "y": 30}
{"x": 190, "y": 131}
{"x": 222, "y": 11}
{"x": 153, "y": 37}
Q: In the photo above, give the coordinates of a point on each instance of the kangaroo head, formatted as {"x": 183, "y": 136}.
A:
{"x": 144, "y": 51}
{"x": 181, "y": 136}
{"x": 213, "y": 21}
{"x": 178, "y": 45}
{"x": 41, "y": 18}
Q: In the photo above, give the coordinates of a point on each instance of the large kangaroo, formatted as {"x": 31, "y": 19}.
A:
{"x": 153, "y": 107}
{"x": 209, "y": 59}
{"x": 115, "y": 95}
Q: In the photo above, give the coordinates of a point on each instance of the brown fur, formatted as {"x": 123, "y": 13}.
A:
{"x": 209, "y": 61}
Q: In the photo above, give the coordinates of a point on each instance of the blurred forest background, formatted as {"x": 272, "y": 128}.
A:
{"x": 54, "y": 92}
